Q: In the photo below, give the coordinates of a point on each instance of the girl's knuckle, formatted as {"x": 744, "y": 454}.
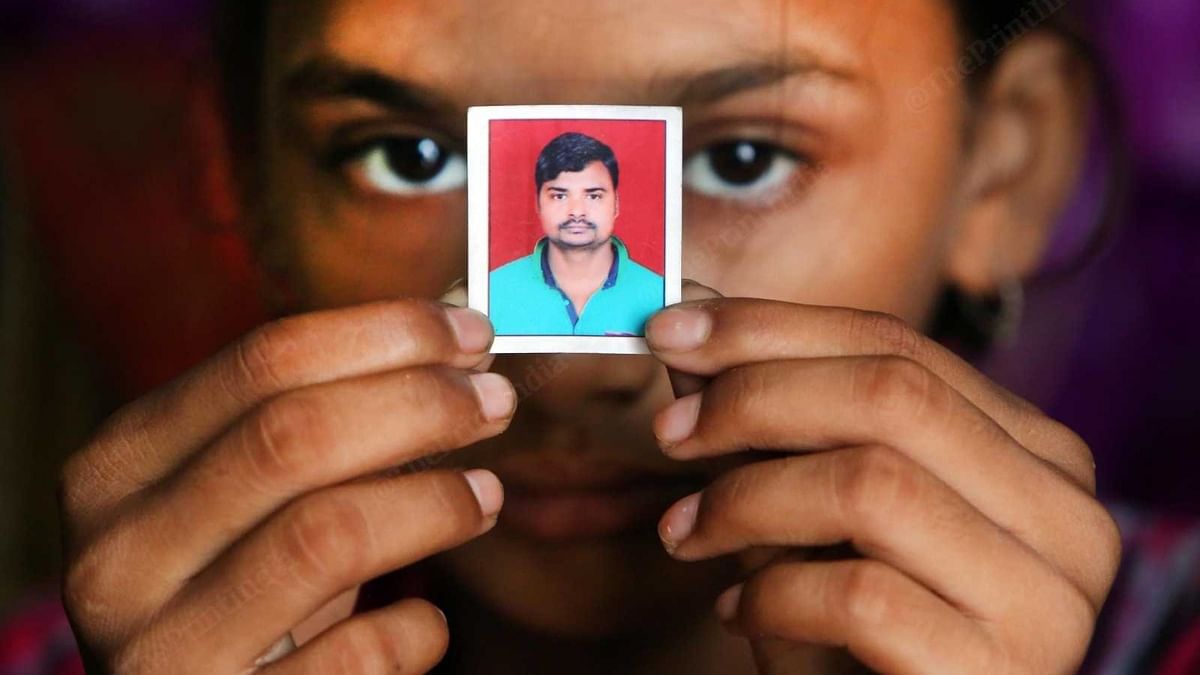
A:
{"x": 888, "y": 333}
{"x": 284, "y": 436}
{"x": 73, "y": 482}
{"x": 1110, "y": 544}
{"x": 83, "y": 594}
{"x": 888, "y": 384}
{"x": 864, "y": 595}
{"x": 326, "y": 541}
{"x": 264, "y": 358}
{"x": 874, "y": 484}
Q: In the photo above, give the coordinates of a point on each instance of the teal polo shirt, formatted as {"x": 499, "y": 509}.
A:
{"x": 525, "y": 300}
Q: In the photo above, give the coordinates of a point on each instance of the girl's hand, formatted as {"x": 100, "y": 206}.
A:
{"x": 983, "y": 548}
{"x": 210, "y": 518}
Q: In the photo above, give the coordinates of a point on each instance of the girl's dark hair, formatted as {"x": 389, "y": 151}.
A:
{"x": 239, "y": 42}
{"x": 987, "y": 27}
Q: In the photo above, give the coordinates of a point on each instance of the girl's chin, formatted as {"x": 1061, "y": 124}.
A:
{"x": 590, "y": 588}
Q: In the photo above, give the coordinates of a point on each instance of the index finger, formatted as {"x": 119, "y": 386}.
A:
{"x": 153, "y": 435}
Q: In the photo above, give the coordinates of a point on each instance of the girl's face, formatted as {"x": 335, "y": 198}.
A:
{"x": 823, "y": 151}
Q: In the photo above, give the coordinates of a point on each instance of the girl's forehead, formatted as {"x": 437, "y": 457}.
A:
{"x": 600, "y": 51}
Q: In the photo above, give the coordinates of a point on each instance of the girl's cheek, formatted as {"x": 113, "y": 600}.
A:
{"x": 772, "y": 253}
{"x": 379, "y": 247}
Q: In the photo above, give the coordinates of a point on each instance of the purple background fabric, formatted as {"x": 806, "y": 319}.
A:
{"x": 1111, "y": 350}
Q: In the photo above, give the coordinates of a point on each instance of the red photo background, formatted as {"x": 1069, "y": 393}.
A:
{"x": 640, "y": 147}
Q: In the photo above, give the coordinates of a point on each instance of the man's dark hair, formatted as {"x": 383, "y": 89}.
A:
{"x": 573, "y": 152}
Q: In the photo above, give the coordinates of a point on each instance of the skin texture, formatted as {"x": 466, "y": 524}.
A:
{"x": 970, "y": 540}
{"x": 578, "y": 211}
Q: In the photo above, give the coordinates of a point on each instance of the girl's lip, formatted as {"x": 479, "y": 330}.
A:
{"x": 560, "y": 495}
{"x": 564, "y": 513}
{"x": 546, "y": 471}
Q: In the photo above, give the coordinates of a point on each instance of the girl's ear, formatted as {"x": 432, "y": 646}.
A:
{"x": 1026, "y": 142}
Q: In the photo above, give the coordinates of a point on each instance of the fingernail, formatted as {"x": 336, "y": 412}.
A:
{"x": 679, "y": 522}
{"x": 679, "y": 330}
{"x": 455, "y": 294}
{"x": 694, "y": 290}
{"x": 286, "y": 645}
{"x": 496, "y": 396}
{"x": 444, "y": 619}
{"x": 472, "y": 330}
{"x": 727, "y": 603}
{"x": 679, "y": 420}
{"x": 488, "y": 490}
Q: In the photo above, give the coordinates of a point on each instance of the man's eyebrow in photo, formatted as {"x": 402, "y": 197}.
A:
{"x": 592, "y": 190}
{"x": 328, "y": 78}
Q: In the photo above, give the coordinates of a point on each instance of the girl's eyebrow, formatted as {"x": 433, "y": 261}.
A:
{"x": 332, "y": 78}
{"x": 327, "y": 77}
{"x": 720, "y": 83}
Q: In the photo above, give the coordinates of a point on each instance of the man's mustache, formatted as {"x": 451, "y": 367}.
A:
{"x": 576, "y": 223}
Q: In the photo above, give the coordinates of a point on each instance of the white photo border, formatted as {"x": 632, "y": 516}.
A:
{"x": 479, "y": 121}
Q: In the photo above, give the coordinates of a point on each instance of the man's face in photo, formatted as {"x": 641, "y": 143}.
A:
{"x": 578, "y": 208}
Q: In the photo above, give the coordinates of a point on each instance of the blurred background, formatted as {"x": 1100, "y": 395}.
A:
{"x": 121, "y": 263}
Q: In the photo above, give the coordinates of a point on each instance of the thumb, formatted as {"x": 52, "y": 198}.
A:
{"x": 684, "y": 384}
{"x": 457, "y": 296}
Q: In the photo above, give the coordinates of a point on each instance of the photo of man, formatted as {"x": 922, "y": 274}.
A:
{"x": 579, "y": 278}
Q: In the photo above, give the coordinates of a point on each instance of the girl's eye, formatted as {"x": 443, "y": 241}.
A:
{"x": 748, "y": 170}
{"x": 410, "y": 166}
